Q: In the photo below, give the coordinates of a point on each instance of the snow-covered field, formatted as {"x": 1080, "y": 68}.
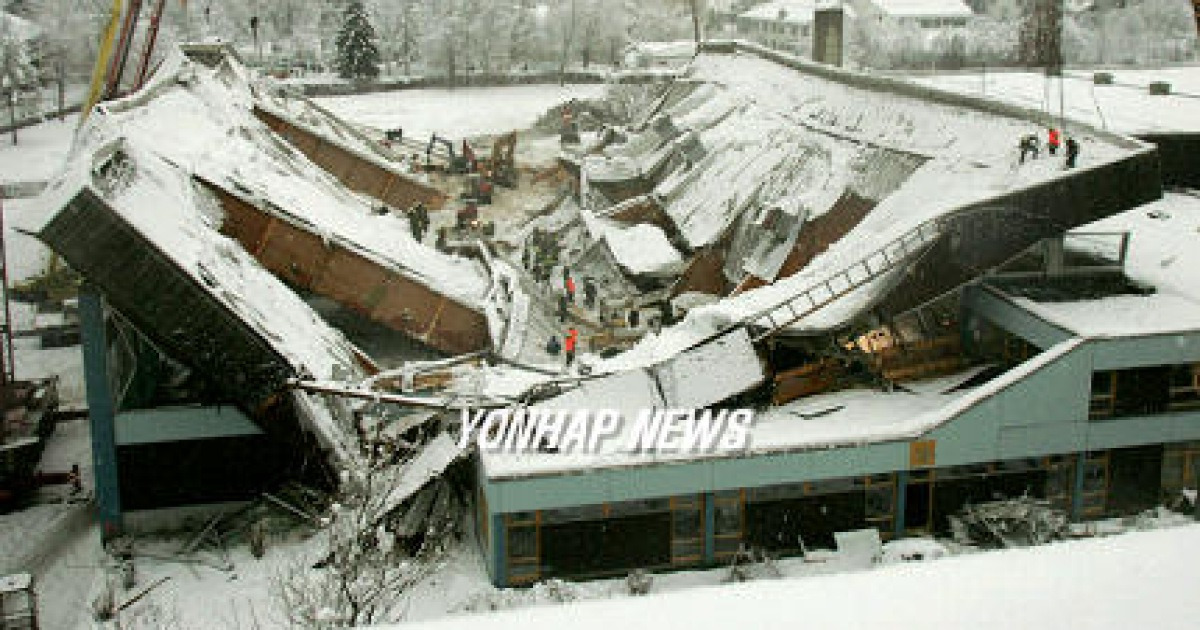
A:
{"x": 1124, "y": 107}
{"x": 458, "y": 113}
{"x": 39, "y": 151}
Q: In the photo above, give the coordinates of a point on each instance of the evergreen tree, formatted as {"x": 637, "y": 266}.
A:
{"x": 357, "y": 54}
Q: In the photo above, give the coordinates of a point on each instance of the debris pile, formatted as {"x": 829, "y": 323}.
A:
{"x": 1020, "y": 522}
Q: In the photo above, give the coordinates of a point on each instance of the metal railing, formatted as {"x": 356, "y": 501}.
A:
{"x": 770, "y": 321}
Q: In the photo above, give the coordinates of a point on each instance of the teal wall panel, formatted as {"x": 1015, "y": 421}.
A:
{"x": 1003, "y": 313}
{"x": 1130, "y": 352}
{"x": 1045, "y": 412}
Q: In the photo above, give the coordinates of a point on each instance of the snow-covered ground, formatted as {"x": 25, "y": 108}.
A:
{"x": 39, "y": 152}
{"x": 1124, "y": 107}
{"x": 1142, "y": 580}
{"x": 458, "y": 113}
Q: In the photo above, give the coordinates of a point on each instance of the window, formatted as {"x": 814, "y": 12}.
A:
{"x": 522, "y": 548}
{"x": 687, "y": 530}
{"x": 1185, "y": 387}
{"x": 1104, "y": 394}
{"x": 727, "y": 525}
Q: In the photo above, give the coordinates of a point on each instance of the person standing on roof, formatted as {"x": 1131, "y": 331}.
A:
{"x": 1052, "y": 141}
{"x": 569, "y": 285}
{"x": 1072, "y": 151}
{"x": 569, "y": 344}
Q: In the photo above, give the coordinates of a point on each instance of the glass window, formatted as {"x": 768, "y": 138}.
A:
{"x": 728, "y": 518}
{"x": 879, "y": 501}
{"x": 522, "y": 542}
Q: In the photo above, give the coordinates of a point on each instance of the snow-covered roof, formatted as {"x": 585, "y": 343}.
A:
{"x": 200, "y": 119}
{"x": 923, "y": 8}
{"x": 1164, "y": 253}
{"x": 786, "y": 11}
{"x": 1139, "y": 579}
{"x": 770, "y": 135}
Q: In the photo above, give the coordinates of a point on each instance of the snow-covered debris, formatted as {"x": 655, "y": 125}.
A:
{"x": 642, "y": 249}
{"x": 200, "y": 120}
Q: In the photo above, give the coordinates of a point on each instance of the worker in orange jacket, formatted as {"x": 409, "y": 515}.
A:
{"x": 1053, "y": 140}
{"x": 570, "y": 343}
{"x": 570, "y": 286}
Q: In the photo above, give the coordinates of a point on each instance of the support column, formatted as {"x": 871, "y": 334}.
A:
{"x": 101, "y": 410}
{"x": 710, "y": 526}
{"x": 901, "y": 503}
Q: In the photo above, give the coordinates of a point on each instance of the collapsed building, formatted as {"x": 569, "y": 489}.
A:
{"x": 862, "y": 261}
{"x": 868, "y": 265}
{"x": 198, "y": 229}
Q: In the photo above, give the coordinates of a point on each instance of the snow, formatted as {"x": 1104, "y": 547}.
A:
{"x": 642, "y": 249}
{"x": 1125, "y": 107}
{"x": 457, "y": 113}
{"x": 39, "y": 152}
{"x": 845, "y": 418}
{"x": 805, "y": 136}
{"x": 161, "y": 202}
{"x": 1139, "y": 579}
{"x": 429, "y": 464}
{"x": 1164, "y": 253}
{"x": 783, "y": 11}
{"x": 205, "y": 127}
{"x": 923, "y": 8}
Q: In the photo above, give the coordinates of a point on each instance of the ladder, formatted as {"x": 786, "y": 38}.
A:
{"x": 769, "y": 321}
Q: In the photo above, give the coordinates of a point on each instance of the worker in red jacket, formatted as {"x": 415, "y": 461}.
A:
{"x": 570, "y": 343}
{"x": 1052, "y": 141}
{"x": 570, "y": 286}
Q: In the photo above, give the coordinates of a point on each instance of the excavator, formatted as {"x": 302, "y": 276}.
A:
{"x": 456, "y": 164}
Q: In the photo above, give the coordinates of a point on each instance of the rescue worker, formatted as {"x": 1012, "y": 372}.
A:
{"x": 422, "y": 220}
{"x": 414, "y": 224}
{"x": 589, "y": 293}
{"x": 569, "y": 285}
{"x": 569, "y": 345}
{"x": 1072, "y": 151}
{"x": 1052, "y": 141}
{"x": 553, "y": 347}
{"x": 1029, "y": 145}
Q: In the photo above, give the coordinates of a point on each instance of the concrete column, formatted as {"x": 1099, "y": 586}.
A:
{"x": 101, "y": 410}
{"x": 901, "y": 503}
{"x": 710, "y": 526}
{"x": 499, "y": 559}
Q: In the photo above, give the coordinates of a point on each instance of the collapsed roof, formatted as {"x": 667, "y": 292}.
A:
{"x": 784, "y": 174}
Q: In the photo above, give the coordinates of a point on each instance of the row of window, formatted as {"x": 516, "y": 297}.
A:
{"x": 1145, "y": 390}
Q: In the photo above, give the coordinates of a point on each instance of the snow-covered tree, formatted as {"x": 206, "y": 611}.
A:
{"x": 357, "y": 53}
{"x": 1041, "y": 35}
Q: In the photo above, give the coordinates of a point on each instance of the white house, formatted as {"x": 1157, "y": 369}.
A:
{"x": 927, "y": 14}
{"x": 780, "y": 24}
